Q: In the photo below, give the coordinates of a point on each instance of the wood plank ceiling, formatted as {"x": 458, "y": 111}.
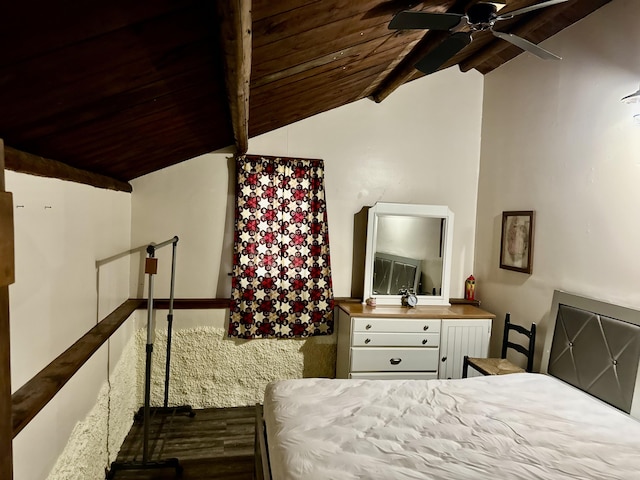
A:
{"x": 123, "y": 88}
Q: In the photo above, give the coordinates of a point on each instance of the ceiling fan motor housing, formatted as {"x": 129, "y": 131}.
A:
{"x": 482, "y": 13}
{"x": 479, "y": 17}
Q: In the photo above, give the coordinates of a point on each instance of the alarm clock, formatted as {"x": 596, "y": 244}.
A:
{"x": 409, "y": 299}
{"x": 412, "y": 300}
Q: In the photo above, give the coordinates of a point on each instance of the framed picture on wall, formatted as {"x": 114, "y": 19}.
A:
{"x": 516, "y": 244}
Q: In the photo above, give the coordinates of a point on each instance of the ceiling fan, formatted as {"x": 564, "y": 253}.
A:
{"x": 480, "y": 17}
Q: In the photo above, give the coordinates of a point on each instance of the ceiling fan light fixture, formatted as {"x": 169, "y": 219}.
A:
{"x": 499, "y": 4}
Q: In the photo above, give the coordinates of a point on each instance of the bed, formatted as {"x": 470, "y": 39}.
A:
{"x": 571, "y": 421}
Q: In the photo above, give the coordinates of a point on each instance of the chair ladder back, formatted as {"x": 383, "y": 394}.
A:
{"x": 532, "y": 347}
{"x": 520, "y": 329}
{"x": 506, "y": 344}
{"x": 519, "y": 348}
{"x": 505, "y": 335}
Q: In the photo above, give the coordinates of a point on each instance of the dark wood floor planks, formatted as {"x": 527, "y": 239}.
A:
{"x": 218, "y": 443}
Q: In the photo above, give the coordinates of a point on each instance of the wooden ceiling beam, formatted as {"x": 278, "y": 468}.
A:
{"x": 235, "y": 35}
{"x": 382, "y": 75}
{"x": 23, "y": 162}
{"x": 406, "y": 68}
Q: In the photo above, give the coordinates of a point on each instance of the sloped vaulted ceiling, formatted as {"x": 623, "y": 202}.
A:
{"x": 122, "y": 88}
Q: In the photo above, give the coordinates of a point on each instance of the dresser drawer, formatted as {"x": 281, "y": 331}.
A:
{"x": 362, "y": 339}
{"x": 371, "y": 359}
{"x": 395, "y": 376}
{"x": 395, "y": 325}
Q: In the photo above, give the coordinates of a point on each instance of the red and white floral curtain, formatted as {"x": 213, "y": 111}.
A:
{"x": 281, "y": 284}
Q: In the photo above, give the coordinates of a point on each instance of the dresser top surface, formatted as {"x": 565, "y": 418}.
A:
{"x": 420, "y": 312}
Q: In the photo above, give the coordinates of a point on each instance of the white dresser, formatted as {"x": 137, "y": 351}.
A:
{"x": 399, "y": 342}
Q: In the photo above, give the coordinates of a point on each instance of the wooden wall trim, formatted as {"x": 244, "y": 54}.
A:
{"x": 37, "y": 392}
{"x": 235, "y": 34}
{"x": 6, "y": 455}
{"x": 188, "y": 303}
{"x": 209, "y": 303}
{"x": 24, "y": 162}
{"x": 29, "y": 399}
{"x": 2, "y": 165}
{"x": 7, "y": 239}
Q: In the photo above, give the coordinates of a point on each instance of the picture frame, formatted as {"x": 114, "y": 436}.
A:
{"x": 516, "y": 242}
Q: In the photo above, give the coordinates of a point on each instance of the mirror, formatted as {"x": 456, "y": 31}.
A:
{"x": 408, "y": 248}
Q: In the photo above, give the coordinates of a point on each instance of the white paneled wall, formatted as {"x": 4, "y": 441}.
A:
{"x": 61, "y": 230}
{"x": 556, "y": 139}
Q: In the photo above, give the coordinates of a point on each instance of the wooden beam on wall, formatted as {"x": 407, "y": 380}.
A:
{"x": 235, "y": 34}
{"x": 6, "y": 278}
{"x": 211, "y": 303}
{"x": 188, "y": 303}
{"x": 7, "y": 253}
{"x": 29, "y": 399}
{"x": 6, "y": 450}
{"x": 23, "y": 162}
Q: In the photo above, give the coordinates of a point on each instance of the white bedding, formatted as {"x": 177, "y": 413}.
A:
{"x": 522, "y": 426}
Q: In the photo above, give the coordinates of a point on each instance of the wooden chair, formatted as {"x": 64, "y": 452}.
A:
{"x": 502, "y": 366}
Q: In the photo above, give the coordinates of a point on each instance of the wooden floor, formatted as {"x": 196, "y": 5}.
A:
{"x": 214, "y": 444}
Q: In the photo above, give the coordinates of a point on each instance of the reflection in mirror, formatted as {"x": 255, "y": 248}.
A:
{"x": 408, "y": 255}
{"x": 408, "y": 249}
{"x": 393, "y": 274}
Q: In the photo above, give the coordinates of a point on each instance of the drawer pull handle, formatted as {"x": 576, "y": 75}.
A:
{"x": 367, "y": 340}
{"x": 424, "y": 342}
{"x": 426, "y": 327}
{"x": 395, "y": 361}
{"x": 444, "y": 359}
{"x": 368, "y": 327}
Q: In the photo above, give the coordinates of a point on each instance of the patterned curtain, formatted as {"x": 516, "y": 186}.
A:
{"x": 281, "y": 284}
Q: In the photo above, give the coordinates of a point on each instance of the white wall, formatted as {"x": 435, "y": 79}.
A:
{"x": 556, "y": 139}
{"x": 193, "y": 200}
{"x": 419, "y": 146}
{"x": 61, "y": 229}
{"x": 96, "y": 439}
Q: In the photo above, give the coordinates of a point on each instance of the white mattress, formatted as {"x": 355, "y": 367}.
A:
{"x": 521, "y": 426}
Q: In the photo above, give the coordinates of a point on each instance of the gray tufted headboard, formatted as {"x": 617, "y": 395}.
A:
{"x": 595, "y": 346}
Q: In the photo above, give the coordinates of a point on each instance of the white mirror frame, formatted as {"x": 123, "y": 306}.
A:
{"x": 409, "y": 210}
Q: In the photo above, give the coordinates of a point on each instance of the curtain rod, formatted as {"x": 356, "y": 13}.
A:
{"x": 151, "y": 249}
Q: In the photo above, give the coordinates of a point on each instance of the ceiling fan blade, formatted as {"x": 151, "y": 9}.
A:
{"x": 527, "y": 45}
{"x": 531, "y": 8}
{"x": 410, "y": 20}
{"x": 443, "y": 52}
